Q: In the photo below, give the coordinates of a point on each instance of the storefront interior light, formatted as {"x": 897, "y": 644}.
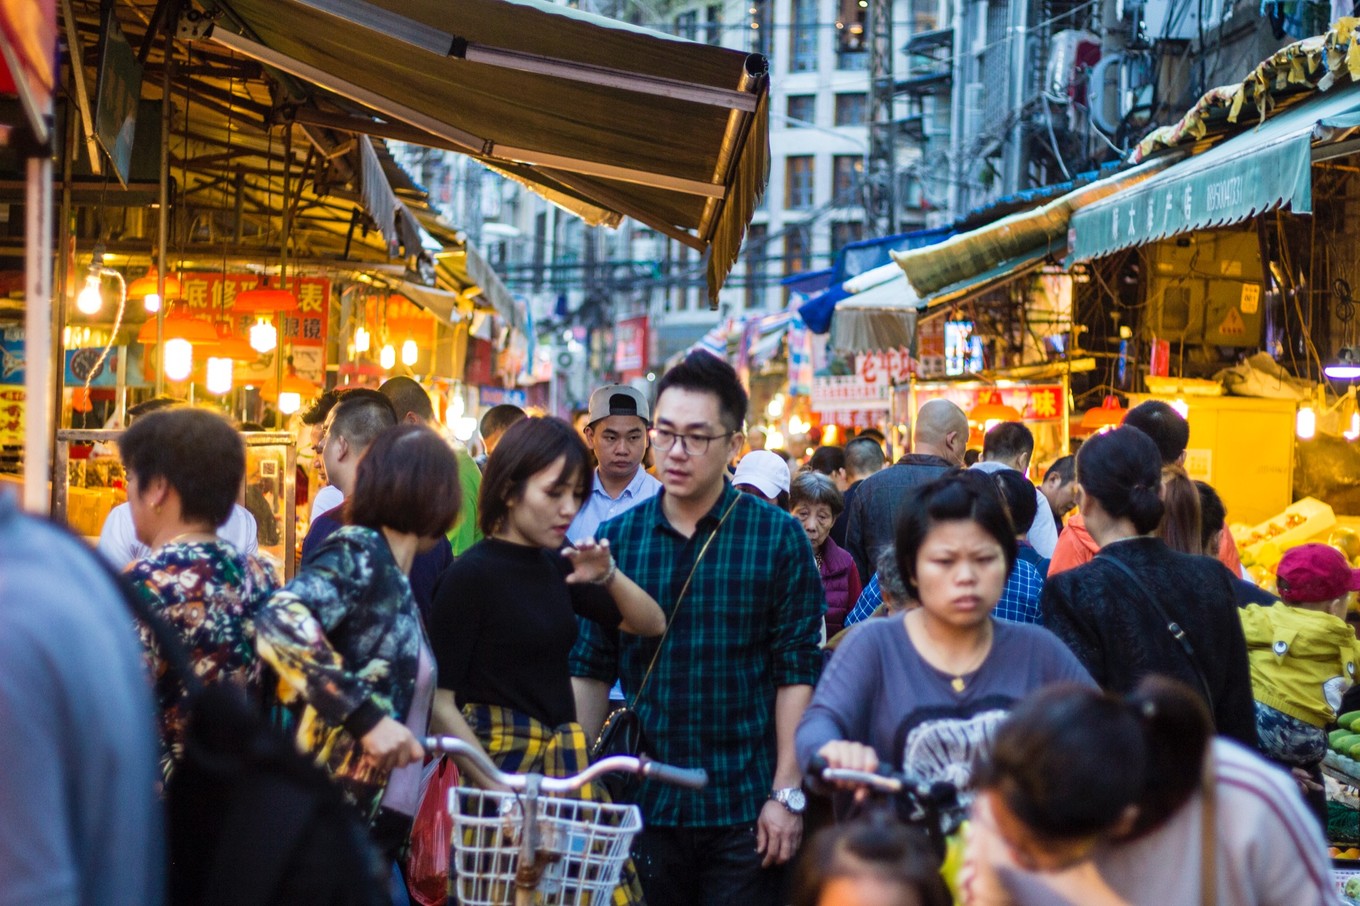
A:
{"x": 387, "y": 358}
{"x": 1354, "y": 432}
{"x": 263, "y": 336}
{"x": 1347, "y": 366}
{"x": 1181, "y": 407}
{"x": 179, "y": 359}
{"x": 456, "y": 408}
{"x": 775, "y": 408}
{"x": 91, "y": 298}
{"x": 409, "y": 352}
{"x": 774, "y": 439}
{"x": 218, "y": 376}
{"x": 289, "y": 402}
{"x": 463, "y": 428}
{"x": 1305, "y": 423}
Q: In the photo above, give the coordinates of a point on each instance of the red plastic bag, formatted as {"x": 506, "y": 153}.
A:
{"x": 427, "y": 863}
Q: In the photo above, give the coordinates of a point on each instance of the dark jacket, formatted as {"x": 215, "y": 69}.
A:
{"x": 873, "y": 511}
{"x": 838, "y": 527}
{"x": 1114, "y": 631}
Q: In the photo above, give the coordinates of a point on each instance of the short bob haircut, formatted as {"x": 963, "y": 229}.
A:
{"x": 407, "y": 481}
{"x": 703, "y": 372}
{"x": 197, "y": 452}
{"x": 1122, "y": 470}
{"x": 969, "y": 495}
{"x": 526, "y": 448}
{"x": 871, "y": 848}
{"x": 813, "y": 487}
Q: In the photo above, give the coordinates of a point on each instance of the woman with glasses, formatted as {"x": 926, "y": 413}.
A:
{"x": 1091, "y": 798}
{"x": 505, "y": 614}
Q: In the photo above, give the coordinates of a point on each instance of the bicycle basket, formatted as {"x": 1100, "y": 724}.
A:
{"x": 583, "y": 848}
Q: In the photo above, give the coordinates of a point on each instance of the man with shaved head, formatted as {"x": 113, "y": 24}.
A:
{"x": 940, "y": 436}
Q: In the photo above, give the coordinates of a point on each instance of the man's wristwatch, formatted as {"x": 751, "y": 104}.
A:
{"x": 791, "y": 798}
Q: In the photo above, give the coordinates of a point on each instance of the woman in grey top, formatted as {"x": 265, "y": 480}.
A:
{"x": 926, "y": 691}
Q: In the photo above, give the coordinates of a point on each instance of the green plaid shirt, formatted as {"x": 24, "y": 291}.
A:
{"x": 750, "y": 623}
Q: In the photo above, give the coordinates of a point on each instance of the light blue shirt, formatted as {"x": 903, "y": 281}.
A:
{"x": 599, "y": 506}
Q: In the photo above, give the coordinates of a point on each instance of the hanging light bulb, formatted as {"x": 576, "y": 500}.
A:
{"x": 361, "y": 339}
{"x": 456, "y": 408}
{"x": 152, "y": 301}
{"x": 90, "y": 299}
{"x": 409, "y": 352}
{"x": 1305, "y": 423}
{"x": 1354, "y": 432}
{"x": 219, "y": 375}
{"x": 289, "y": 402}
{"x": 388, "y": 357}
{"x": 263, "y": 336}
{"x": 179, "y": 359}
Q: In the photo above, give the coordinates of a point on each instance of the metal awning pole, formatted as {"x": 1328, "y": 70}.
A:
{"x": 38, "y": 335}
{"x": 163, "y": 215}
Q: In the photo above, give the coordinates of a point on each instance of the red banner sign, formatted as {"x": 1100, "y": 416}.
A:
{"x": 630, "y": 347}
{"x": 209, "y": 294}
{"x": 884, "y": 368}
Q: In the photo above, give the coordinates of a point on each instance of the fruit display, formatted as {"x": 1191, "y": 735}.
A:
{"x": 1261, "y": 546}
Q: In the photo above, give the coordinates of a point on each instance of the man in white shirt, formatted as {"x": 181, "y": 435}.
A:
{"x": 119, "y": 545}
{"x": 617, "y": 432}
{"x": 1010, "y": 445}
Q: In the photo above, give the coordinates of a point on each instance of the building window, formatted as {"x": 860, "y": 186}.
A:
{"x": 687, "y": 25}
{"x": 760, "y": 27}
{"x": 851, "y": 37}
{"x": 713, "y": 15}
{"x": 802, "y": 110}
{"x": 850, "y": 109}
{"x": 844, "y": 232}
{"x": 846, "y": 173}
{"x": 803, "y": 37}
{"x": 798, "y": 182}
{"x": 797, "y": 254}
{"x": 757, "y": 235}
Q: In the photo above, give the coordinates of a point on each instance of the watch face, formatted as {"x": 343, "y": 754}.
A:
{"x": 792, "y": 799}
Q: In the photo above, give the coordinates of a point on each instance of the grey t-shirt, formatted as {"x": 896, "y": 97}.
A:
{"x": 879, "y": 691}
{"x": 80, "y": 821}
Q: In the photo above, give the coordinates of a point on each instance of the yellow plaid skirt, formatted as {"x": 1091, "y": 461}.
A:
{"x": 519, "y": 744}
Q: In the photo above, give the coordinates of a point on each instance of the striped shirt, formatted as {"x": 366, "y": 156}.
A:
{"x": 748, "y": 625}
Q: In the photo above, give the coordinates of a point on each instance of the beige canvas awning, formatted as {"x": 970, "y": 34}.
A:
{"x": 606, "y": 119}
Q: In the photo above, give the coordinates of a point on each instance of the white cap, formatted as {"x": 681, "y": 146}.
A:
{"x": 765, "y": 471}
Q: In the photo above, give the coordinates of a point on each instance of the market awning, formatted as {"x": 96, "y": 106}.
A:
{"x": 1251, "y": 173}
{"x": 945, "y": 298}
{"x": 878, "y": 318}
{"x": 608, "y": 119}
{"x": 963, "y": 258}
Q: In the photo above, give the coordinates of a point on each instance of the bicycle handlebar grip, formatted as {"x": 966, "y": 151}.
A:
{"x": 693, "y": 778}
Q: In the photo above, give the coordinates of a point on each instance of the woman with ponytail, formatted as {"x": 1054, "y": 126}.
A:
{"x": 1093, "y": 799}
{"x": 1139, "y": 607}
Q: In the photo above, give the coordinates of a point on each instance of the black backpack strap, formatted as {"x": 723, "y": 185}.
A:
{"x": 1182, "y": 640}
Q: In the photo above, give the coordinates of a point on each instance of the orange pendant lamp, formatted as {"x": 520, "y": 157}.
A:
{"x": 1109, "y": 414}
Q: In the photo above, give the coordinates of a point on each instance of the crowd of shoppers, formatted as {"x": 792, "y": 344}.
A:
{"x": 1097, "y": 716}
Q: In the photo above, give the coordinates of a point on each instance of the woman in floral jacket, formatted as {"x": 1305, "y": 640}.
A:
{"x": 346, "y": 635}
{"x": 201, "y": 586}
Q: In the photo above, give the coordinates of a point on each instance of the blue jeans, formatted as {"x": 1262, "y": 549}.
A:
{"x": 705, "y": 866}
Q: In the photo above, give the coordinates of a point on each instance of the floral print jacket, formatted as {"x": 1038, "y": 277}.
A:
{"x": 208, "y": 593}
{"x": 345, "y": 634}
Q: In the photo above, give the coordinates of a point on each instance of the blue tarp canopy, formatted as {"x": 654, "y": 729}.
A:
{"x": 854, "y": 259}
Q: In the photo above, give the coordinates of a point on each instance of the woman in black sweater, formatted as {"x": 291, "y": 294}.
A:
{"x": 505, "y": 613}
{"x": 1116, "y": 612}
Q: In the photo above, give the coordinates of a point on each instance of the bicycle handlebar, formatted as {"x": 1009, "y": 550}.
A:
{"x": 693, "y": 778}
{"x": 884, "y": 780}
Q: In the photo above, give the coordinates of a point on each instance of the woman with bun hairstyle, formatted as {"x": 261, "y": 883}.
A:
{"x": 1095, "y": 799}
{"x": 1139, "y": 607}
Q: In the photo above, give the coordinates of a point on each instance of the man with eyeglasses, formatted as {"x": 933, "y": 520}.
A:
{"x": 616, "y": 431}
{"x": 736, "y": 668}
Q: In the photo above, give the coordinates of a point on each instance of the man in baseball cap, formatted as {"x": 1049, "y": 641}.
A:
{"x": 616, "y": 431}
{"x": 766, "y": 474}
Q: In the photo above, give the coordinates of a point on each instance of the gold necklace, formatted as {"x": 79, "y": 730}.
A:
{"x": 958, "y": 683}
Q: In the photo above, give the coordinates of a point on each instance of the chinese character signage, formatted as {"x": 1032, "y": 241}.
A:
{"x": 209, "y": 294}
{"x": 1035, "y": 402}
{"x": 848, "y": 393}
{"x": 630, "y": 347}
{"x": 11, "y": 416}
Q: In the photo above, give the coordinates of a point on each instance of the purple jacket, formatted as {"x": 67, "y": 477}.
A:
{"x": 842, "y": 584}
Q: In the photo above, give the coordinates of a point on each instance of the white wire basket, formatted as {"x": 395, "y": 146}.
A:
{"x": 583, "y": 847}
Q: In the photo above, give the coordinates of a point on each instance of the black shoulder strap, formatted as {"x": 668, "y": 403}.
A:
{"x": 1171, "y": 625}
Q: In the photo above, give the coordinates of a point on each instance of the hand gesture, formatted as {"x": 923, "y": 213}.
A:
{"x": 591, "y": 561}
